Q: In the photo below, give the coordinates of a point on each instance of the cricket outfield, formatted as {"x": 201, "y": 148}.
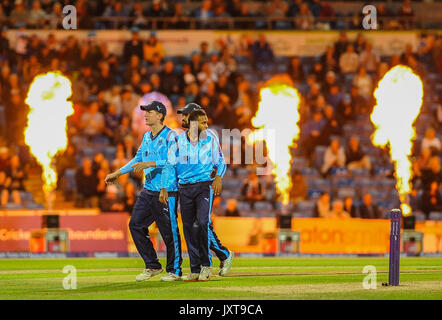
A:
{"x": 250, "y": 278}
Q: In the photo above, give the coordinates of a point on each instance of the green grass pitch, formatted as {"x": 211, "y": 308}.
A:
{"x": 250, "y": 278}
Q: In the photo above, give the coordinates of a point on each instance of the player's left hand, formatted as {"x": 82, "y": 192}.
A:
{"x": 217, "y": 186}
{"x": 140, "y": 166}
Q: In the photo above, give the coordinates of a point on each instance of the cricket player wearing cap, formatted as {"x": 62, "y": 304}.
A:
{"x": 151, "y": 157}
{"x": 223, "y": 254}
{"x": 197, "y": 161}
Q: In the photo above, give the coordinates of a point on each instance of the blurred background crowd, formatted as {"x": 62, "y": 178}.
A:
{"x": 214, "y": 14}
{"x": 337, "y": 172}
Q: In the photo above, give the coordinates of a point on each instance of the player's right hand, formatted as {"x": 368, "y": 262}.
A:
{"x": 164, "y": 197}
{"x": 111, "y": 177}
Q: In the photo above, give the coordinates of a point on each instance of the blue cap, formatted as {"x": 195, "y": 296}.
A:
{"x": 189, "y": 108}
{"x": 156, "y": 106}
{"x": 135, "y": 29}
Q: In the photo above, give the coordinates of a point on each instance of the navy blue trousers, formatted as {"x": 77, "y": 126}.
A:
{"x": 149, "y": 209}
{"x": 196, "y": 205}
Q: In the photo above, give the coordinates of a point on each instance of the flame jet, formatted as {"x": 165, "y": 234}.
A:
{"x": 399, "y": 100}
{"x": 45, "y": 133}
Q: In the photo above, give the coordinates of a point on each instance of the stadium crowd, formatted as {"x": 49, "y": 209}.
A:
{"x": 206, "y": 14}
{"x": 334, "y": 153}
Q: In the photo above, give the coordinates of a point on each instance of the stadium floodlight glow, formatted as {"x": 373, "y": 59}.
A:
{"x": 45, "y": 133}
{"x": 398, "y": 103}
{"x": 278, "y": 111}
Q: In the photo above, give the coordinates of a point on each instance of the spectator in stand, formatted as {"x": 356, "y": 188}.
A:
{"x": 355, "y": 157}
{"x": 106, "y": 79}
{"x": 19, "y": 13}
{"x": 345, "y": 111}
{"x": 431, "y": 199}
{"x": 407, "y": 53}
{"x": 329, "y": 60}
{"x": 317, "y": 71}
{"x": 217, "y": 208}
{"x": 432, "y": 173}
{"x": 178, "y": 18}
{"x": 244, "y": 13}
{"x": 334, "y": 156}
{"x": 295, "y": 70}
{"x": 231, "y": 208}
{"x": 304, "y": 20}
{"x": 204, "y": 51}
{"x": 17, "y": 174}
{"x": 385, "y": 13}
{"x": 338, "y": 211}
{"x": 368, "y": 58}
{"x": 216, "y": 66}
{"x": 359, "y": 43}
{"x": 5, "y": 182}
{"x": 261, "y": 53}
{"x": 130, "y": 197}
{"x": 422, "y": 163}
{"x": 87, "y": 183}
{"x": 312, "y": 133}
{"x": 341, "y": 45}
{"x": 129, "y": 100}
{"x": 133, "y": 46}
{"x": 119, "y": 161}
{"x": 430, "y": 141}
{"x": 206, "y": 77}
{"x": 252, "y": 190}
{"x": 111, "y": 122}
{"x": 417, "y": 67}
{"x": 221, "y": 13}
{"x": 364, "y": 83}
{"x": 67, "y": 160}
{"x": 322, "y": 206}
{"x": 170, "y": 80}
{"x": 334, "y": 96}
{"x": 123, "y": 129}
{"x": 349, "y": 60}
{"x": 4, "y": 158}
{"x": 330, "y": 80}
{"x": 298, "y": 192}
{"x": 368, "y": 210}
{"x": 153, "y": 47}
{"x": 406, "y": 15}
{"x": 110, "y": 202}
{"x": 205, "y": 14}
{"x": 350, "y": 207}
{"x": 97, "y": 161}
{"x": 130, "y": 149}
{"x": 139, "y": 14}
{"x": 159, "y": 9}
{"x": 360, "y": 104}
{"x": 92, "y": 121}
{"x": 16, "y": 112}
{"x": 332, "y": 126}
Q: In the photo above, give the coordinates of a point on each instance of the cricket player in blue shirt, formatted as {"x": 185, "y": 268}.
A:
{"x": 224, "y": 255}
{"x": 196, "y": 160}
{"x": 151, "y": 158}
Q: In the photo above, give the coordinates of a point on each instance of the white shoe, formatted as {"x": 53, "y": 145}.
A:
{"x": 205, "y": 274}
{"x": 226, "y": 264}
{"x": 191, "y": 277}
{"x": 170, "y": 277}
{"x": 147, "y": 274}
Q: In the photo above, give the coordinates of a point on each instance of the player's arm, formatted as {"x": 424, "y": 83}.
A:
{"x": 112, "y": 177}
{"x": 169, "y": 168}
{"x": 220, "y": 164}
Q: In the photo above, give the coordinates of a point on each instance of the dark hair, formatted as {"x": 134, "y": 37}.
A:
{"x": 195, "y": 114}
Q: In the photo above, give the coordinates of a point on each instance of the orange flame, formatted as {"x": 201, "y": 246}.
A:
{"x": 278, "y": 110}
{"x": 399, "y": 100}
{"x": 46, "y": 131}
